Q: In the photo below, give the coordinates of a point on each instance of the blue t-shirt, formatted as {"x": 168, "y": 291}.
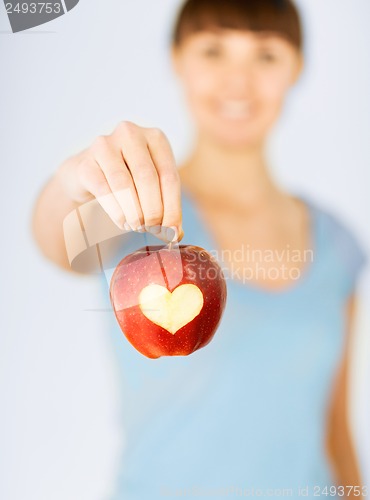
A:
{"x": 245, "y": 415}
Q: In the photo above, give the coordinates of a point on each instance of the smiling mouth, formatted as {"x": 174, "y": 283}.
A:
{"x": 235, "y": 110}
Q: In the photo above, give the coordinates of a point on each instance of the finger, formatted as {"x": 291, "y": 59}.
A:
{"x": 93, "y": 180}
{"x": 120, "y": 181}
{"x": 135, "y": 152}
{"x": 164, "y": 160}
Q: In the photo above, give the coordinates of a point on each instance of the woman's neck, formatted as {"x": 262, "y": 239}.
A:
{"x": 238, "y": 177}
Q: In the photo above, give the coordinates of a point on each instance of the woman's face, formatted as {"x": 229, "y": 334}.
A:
{"x": 236, "y": 81}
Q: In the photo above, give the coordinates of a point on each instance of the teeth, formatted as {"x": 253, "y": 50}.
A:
{"x": 235, "y": 109}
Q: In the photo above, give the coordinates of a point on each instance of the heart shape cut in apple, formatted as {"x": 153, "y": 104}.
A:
{"x": 169, "y": 310}
{"x": 168, "y": 301}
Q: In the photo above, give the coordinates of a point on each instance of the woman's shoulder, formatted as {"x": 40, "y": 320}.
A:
{"x": 339, "y": 240}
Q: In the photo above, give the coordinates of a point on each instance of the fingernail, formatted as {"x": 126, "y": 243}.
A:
{"x": 141, "y": 229}
{"x": 126, "y": 226}
{"x": 154, "y": 229}
{"x": 172, "y": 234}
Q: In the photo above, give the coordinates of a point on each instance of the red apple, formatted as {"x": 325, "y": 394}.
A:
{"x": 168, "y": 301}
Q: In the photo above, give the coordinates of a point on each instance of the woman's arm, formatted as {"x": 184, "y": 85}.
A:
{"x": 339, "y": 443}
{"x": 52, "y": 206}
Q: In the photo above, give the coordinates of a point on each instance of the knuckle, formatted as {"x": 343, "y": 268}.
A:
{"x": 153, "y": 218}
{"x": 126, "y": 127}
{"x": 84, "y": 170}
{"x": 170, "y": 176}
{"x": 157, "y": 134}
{"x": 99, "y": 144}
{"x": 100, "y": 187}
{"x": 146, "y": 174}
{"x": 118, "y": 179}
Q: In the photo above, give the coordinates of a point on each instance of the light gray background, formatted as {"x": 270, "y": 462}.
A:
{"x": 77, "y": 77}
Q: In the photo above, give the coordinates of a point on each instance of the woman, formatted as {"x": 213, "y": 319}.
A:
{"x": 262, "y": 409}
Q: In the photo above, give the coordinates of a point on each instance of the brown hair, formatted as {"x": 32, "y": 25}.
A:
{"x": 278, "y": 16}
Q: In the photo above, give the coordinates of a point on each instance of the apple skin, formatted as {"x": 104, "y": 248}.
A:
{"x": 169, "y": 268}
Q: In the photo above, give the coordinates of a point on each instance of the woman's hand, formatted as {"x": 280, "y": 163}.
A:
{"x": 133, "y": 175}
